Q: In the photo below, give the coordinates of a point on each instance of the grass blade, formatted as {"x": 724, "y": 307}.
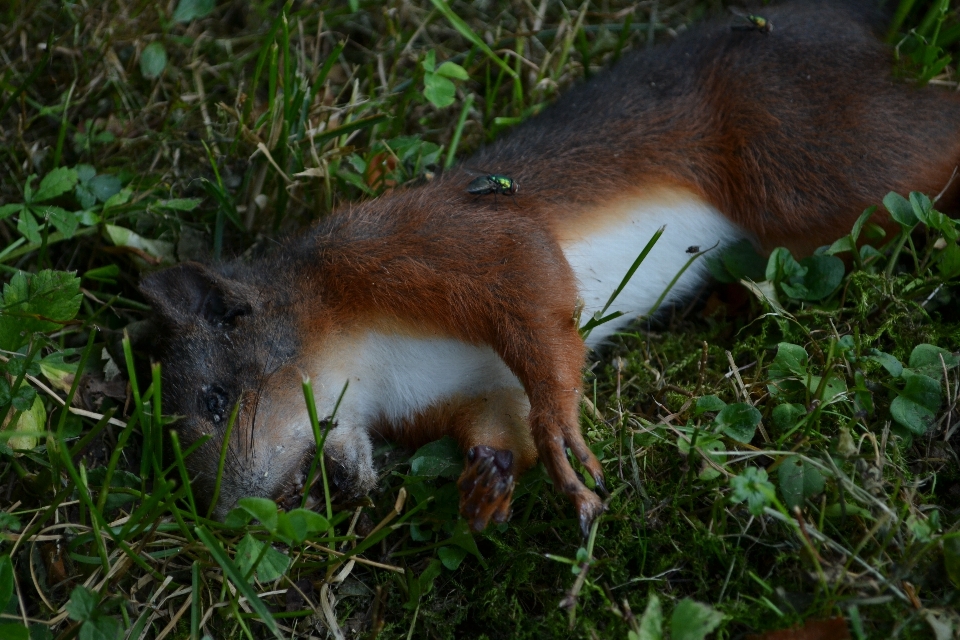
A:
{"x": 233, "y": 572}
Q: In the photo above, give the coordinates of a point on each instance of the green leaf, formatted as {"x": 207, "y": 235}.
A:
{"x": 453, "y": 70}
{"x": 117, "y": 199}
{"x": 651, "y": 622}
{"x": 753, "y": 487}
{"x": 105, "y": 187}
{"x": 887, "y": 361}
{"x": 58, "y": 372}
{"x": 917, "y": 418}
{"x": 818, "y": 277}
{"x": 82, "y": 604}
{"x": 838, "y": 510}
{"x": 65, "y": 221}
{"x": 298, "y": 524}
{"x": 273, "y": 565}
{"x": 862, "y": 220}
{"x": 8, "y": 210}
{"x": 179, "y": 204}
{"x": 922, "y": 207}
{"x": 101, "y": 627}
{"x": 915, "y": 406}
{"x": 739, "y": 261}
{"x": 188, "y": 10}
{"x": 153, "y": 60}
{"x": 693, "y": 620}
{"x": 123, "y": 237}
{"x": 824, "y": 275}
{"x": 237, "y": 517}
{"x": 463, "y": 538}
{"x": 55, "y": 183}
{"x": 429, "y": 62}
{"x": 948, "y": 263}
{"x": 900, "y": 210}
{"x": 107, "y": 273}
{"x": 85, "y": 173}
{"x": 85, "y": 197}
{"x": 834, "y": 386}
{"x": 926, "y": 359}
{"x": 14, "y": 631}
{"x": 451, "y": 557}
{"x": 9, "y": 521}
{"x": 842, "y": 245}
{"x": 710, "y": 404}
{"x": 28, "y": 227}
{"x": 236, "y": 577}
{"x": 24, "y": 398}
{"x": 36, "y": 302}
{"x": 32, "y": 420}
{"x": 791, "y": 360}
{"x": 786, "y": 416}
{"x": 798, "y": 481}
{"x": 429, "y": 575}
{"x": 439, "y": 458}
{"x": 781, "y": 265}
{"x": 262, "y": 509}
{"x": 438, "y": 90}
{"x": 6, "y": 582}
{"x": 739, "y": 421}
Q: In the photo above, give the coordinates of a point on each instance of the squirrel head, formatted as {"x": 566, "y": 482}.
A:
{"x": 227, "y": 342}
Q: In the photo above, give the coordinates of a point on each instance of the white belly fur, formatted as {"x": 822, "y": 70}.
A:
{"x": 394, "y": 375}
{"x": 601, "y": 257}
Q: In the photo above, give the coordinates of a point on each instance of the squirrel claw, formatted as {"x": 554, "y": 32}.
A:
{"x": 486, "y": 486}
{"x": 589, "y": 507}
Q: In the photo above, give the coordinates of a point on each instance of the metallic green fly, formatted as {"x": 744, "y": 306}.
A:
{"x": 493, "y": 183}
{"x": 759, "y": 23}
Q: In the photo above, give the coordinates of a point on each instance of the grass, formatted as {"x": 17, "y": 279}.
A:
{"x": 766, "y": 452}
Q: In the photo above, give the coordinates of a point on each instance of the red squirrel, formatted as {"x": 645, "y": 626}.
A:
{"x": 452, "y": 313}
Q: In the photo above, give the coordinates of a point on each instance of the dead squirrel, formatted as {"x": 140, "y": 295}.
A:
{"x": 450, "y": 314}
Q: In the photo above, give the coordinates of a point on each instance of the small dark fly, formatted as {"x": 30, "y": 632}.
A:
{"x": 493, "y": 183}
{"x": 694, "y": 248}
{"x": 757, "y": 23}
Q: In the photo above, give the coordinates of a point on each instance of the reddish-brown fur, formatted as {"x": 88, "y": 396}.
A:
{"x": 789, "y": 134}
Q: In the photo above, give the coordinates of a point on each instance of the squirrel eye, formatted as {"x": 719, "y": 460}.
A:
{"x": 214, "y": 402}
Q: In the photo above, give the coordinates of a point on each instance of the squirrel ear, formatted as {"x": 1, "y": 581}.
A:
{"x": 182, "y": 294}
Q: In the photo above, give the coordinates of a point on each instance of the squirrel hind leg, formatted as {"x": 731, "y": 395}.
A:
{"x": 486, "y": 486}
{"x": 493, "y": 432}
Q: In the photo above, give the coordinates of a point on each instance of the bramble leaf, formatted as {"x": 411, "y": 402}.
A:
{"x": 36, "y": 302}
{"x": 55, "y": 183}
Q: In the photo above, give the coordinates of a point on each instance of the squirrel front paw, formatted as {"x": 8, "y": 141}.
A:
{"x": 486, "y": 486}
